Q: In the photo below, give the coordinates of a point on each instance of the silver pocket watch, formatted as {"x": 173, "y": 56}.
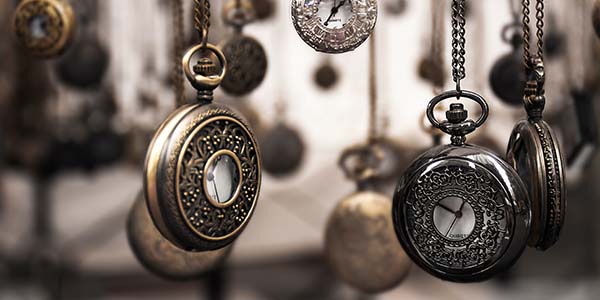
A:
{"x": 460, "y": 212}
{"x": 334, "y": 26}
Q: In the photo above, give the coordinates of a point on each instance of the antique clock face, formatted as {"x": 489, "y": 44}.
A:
{"x": 44, "y": 27}
{"x": 334, "y": 26}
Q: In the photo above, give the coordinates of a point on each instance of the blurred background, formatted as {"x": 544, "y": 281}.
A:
{"x": 72, "y": 148}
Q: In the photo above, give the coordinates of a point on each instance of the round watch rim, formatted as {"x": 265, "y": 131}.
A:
{"x": 362, "y": 27}
{"x": 547, "y": 190}
{"x": 162, "y": 181}
{"x": 54, "y": 47}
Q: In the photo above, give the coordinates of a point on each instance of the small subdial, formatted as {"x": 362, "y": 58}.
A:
{"x": 335, "y": 14}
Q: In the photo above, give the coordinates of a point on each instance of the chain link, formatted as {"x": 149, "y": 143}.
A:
{"x": 458, "y": 41}
{"x": 539, "y": 15}
{"x": 202, "y": 19}
{"x": 178, "y": 37}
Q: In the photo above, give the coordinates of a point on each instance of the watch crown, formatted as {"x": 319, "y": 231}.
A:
{"x": 206, "y": 67}
{"x": 457, "y": 113}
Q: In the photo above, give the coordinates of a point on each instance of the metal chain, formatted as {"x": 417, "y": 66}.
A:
{"x": 178, "y": 37}
{"x": 539, "y": 15}
{"x": 372, "y": 135}
{"x": 458, "y": 41}
{"x": 202, "y": 19}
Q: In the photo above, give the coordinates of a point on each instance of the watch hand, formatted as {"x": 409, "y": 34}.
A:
{"x": 462, "y": 206}
{"x": 334, "y": 11}
{"x": 216, "y": 191}
{"x": 446, "y": 208}
{"x": 451, "y": 225}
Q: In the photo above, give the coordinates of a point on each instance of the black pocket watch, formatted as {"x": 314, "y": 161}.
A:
{"x": 506, "y": 77}
{"x": 159, "y": 256}
{"x": 85, "y": 63}
{"x": 202, "y": 173}
{"x": 460, "y": 212}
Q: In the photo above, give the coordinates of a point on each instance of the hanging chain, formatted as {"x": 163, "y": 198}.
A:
{"x": 458, "y": 41}
{"x": 177, "y": 76}
{"x": 202, "y": 19}
{"x": 372, "y": 135}
{"x": 539, "y": 15}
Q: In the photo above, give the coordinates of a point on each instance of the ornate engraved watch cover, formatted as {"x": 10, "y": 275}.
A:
{"x": 460, "y": 212}
{"x": 44, "y": 27}
{"x": 334, "y": 26}
{"x": 203, "y": 174}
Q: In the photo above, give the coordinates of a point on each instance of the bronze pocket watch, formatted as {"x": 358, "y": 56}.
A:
{"x": 203, "y": 173}
{"x": 360, "y": 244}
{"x": 159, "y": 256}
{"x": 359, "y": 238}
{"x": 44, "y": 27}
{"x": 246, "y": 58}
{"x": 534, "y": 152}
{"x": 333, "y": 26}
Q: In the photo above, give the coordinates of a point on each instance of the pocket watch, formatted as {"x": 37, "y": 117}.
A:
{"x": 534, "y": 152}
{"x": 159, "y": 256}
{"x": 360, "y": 244}
{"x": 506, "y": 77}
{"x": 202, "y": 171}
{"x": 282, "y": 150}
{"x": 86, "y": 61}
{"x": 326, "y": 75}
{"x": 44, "y": 27}
{"x": 460, "y": 212}
{"x": 334, "y": 26}
{"x": 246, "y": 58}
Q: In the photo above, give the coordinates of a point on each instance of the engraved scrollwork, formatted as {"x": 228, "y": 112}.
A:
{"x": 214, "y": 134}
{"x": 478, "y": 189}
{"x": 552, "y": 159}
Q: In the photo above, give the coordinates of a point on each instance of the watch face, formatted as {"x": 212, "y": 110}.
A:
{"x": 334, "y": 14}
{"x": 334, "y": 26}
